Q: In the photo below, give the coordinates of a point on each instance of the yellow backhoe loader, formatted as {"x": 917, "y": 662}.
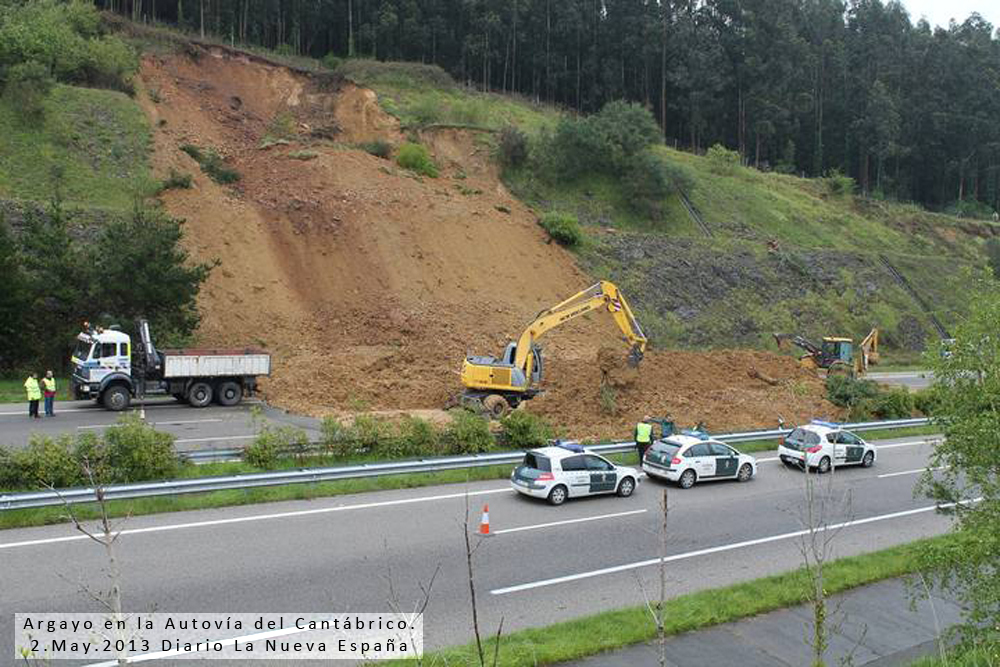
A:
{"x": 837, "y": 356}
{"x": 497, "y": 386}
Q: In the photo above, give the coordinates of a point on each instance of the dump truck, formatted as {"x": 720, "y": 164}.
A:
{"x": 498, "y": 385}
{"x": 109, "y": 370}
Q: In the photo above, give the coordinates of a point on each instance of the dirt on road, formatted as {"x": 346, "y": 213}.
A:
{"x": 370, "y": 283}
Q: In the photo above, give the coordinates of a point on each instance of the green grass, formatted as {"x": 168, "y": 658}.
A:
{"x": 987, "y": 655}
{"x": 98, "y": 139}
{"x": 424, "y": 95}
{"x": 591, "y": 635}
{"x": 12, "y": 390}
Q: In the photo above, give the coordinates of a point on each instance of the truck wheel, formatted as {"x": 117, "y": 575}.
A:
{"x": 200, "y": 394}
{"x": 496, "y": 406}
{"x": 229, "y": 393}
{"x": 116, "y": 398}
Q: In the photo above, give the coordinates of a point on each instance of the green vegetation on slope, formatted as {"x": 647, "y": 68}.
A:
{"x": 93, "y": 144}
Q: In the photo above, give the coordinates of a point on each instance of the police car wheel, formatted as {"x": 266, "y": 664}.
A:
{"x": 626, "y": 487}
{"x": 868, "y": 460}
{"x": 687, "y": 479}
{"x": 746, "y": 472}
{"x": 824, "y": 465}
{"x": 557, "y": 496}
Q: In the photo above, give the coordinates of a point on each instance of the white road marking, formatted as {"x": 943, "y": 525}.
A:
{"x": 910, "y": 472}
{"x": 567, "y": 521}
{"x": 262, "y": 517}
{"x": 176, "y": 423}
{"x": 96, "y": 409}
{"x": 712, "y": 550}
{"x": 221, "y": 437}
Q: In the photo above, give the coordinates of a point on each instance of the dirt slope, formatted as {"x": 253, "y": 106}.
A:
{"x": 368, "y": 283}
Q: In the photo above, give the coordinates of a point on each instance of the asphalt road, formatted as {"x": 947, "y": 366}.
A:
{"x": 212, "y": 427}
{"x": 912, "y": 380}
{"x": 544, "y": 564}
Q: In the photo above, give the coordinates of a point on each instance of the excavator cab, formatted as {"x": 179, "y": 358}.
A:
{"x": 837, "y": 349}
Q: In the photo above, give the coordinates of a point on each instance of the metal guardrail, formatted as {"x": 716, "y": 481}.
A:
{"x": 312, "y": 475}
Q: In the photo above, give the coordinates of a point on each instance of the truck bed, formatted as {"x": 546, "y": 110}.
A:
{"x": 215, "y": 363}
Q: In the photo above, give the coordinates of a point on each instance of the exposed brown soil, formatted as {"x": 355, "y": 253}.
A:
{"x": 370, "y": 284}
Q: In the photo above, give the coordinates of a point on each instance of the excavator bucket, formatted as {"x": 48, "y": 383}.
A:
{"x": 635, "y": 356}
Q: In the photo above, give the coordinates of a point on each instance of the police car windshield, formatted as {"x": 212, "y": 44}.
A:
{"x": 537, "y": 462}
{"x": 800, "y": 438}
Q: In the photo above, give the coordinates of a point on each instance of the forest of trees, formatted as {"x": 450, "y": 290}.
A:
{"x": 804, "y": 86}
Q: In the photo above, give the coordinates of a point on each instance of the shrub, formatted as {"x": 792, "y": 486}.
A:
{"x": 574, "y": 149}
{"x": 992, "y": 249}
{"x": 625, "y": 130}
{"x": 417, "y": 437}
{"x": 645, "y": 184}
{"x": 27, "y": 86}
{"x": 331, "y": 61}
{"x": 723, "y": 161}
{"x": 838, "y": 184}
{"x": 892, "y": 404}
{"x": 48, "y": 461}
{"x": 135, "y": 451}
{"x": 513, "y": 147}
{"x": 564, "y": 228}
{"x": 11, "y": 475}
{"x": 416, "y": 158}
{"x": 336, "y": 438}
{"x": 261, "y": 452}
{"x": 844, "y": 391}
{"x": 378, "y": 148}
{"x": 927, "y": 402}
{"x": 110, "y": 63}
{"x": 372, "y": 434}
{"x": 468, "y": 433}
{"x": 212, "y": 164}
{"x": 522, "y": 430}
{"x": 609, "y": 399}
{"x": 175, "y": 181}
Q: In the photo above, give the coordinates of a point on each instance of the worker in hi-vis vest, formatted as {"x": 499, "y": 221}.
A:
{"x": 34, "y": 394}
{"x": 643, "y": 436}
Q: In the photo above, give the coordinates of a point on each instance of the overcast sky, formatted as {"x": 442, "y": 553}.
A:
{"x": 939, "y": 12}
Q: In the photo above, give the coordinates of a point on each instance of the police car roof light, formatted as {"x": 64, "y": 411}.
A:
{"x": 571, "y": 446}
{"x": 820, "y": 422}
{"x": 695, "y": 433}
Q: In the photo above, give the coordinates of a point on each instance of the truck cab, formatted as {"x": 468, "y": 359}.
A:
{"x": 102, "y": 357}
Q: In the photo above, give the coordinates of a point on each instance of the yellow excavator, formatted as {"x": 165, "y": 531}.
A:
{"x": 497, "y": 386}
{"x": 837, "y": 356}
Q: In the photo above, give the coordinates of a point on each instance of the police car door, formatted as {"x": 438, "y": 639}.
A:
{"x": 576, "y": 474}
{"x": 702, "y": 460}
{"x": 839, "y": 447}
{"x": 603, "y": 476}
{"x": 853, "y": 448}
{"x": 726, "y": 461}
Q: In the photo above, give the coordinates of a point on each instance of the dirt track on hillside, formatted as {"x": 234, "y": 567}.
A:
{"x": 370, "y": 284}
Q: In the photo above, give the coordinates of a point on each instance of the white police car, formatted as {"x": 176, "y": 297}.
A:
{"x": 822, "y": 445}
{"x": 692, "y": 456}
{"x": 568, "y": 470}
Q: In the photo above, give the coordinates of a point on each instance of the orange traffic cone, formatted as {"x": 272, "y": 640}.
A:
{"x": 484, "y": 524}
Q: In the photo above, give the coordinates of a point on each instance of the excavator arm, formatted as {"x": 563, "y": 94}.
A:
{"x": 812, "y": 348}
{"x": 868, "y": 353}
{"x": 602, "y": 295}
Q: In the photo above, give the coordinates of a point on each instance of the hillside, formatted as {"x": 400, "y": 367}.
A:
{"x": 370, "y": 282}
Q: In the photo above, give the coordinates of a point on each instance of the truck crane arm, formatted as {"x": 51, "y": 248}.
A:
{"x": 601, "y": 295}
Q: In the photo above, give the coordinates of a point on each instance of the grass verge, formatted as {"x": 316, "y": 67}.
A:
{"x": 609, "y": 630}
{"x": 12, "y": 391}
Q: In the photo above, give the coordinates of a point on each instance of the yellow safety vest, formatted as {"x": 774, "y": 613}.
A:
{"x": 643, "y": 432}
{"x": 50, "y": 384}
{"x": 34, "y": 392}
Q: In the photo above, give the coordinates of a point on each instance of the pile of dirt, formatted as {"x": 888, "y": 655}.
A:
{"x": 690, "y": 387}
{"x": 370, "y": 284}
